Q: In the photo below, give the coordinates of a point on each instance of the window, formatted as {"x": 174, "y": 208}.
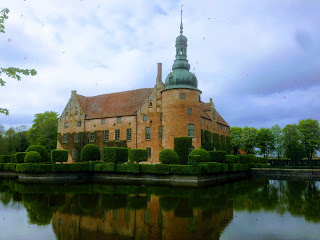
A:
{"x": 117, "y": 135}
{"x": 210, "y": 123}
{"x": 64, "y": 138}
{"x": 150, "y": 103}
{"x": 79, "y": 124}
{"x": 74, "y": 153}
{"x": 182, "y": 96}
{"x": 76, "y": 112}
{"x": 191, "y": 149}
{"x": 189, "y": 111}
{"x": 92, "y": 135}
{"x": 106, "y": 135}
{"x": 218, "y": 125}
{"x": 103, "y": 121}
{"x": 149, "y": 152}
{"x": 190, "y": 130}
{"x": 160, "y": 116}
{"x": 203, "y": 121}
{"x": 129, "y": 134}
{"x": 77, "y": 138}
{"x": 145, "y": 118}
{"x": 66, "y": 125}
{"x": 160, "y": 131}
{"x": 118, "y": 119}
{"x": 67, "y": 113}
{"x": 148, "y": 133}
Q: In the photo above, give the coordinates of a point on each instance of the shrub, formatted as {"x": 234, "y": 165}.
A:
{"x": 59, "y": 155}
{"x": 20, "y": 157}
{"x": 185, "y": 169}
{"x": 168, "y": 156}
{"x": 33, "y": 168}
{"x": 90, "y": 152}
{"x": 236, "y": 159}
{"x": 214, "y": 167}
{"x": 230, "y": 159}
{"x": 204, "y": 168}
{"x": 41, "y": 150}
{"x": 7, "y": 166}
{"x": 264, "y": 160}
{"x": 243, "y": 158}
{"x": 251, "y": 158}
{"x": 32, "y": 157}
{"x": 182, "y": 147}
{"x": 115, "y": 154}
{"x": 72, "y": 167}
{"x": 5, "y": 158}
{"x": 128, "y": 168}
{"x": 224, "y": 167}
{"x": 205, "y": 156}
{"x": 218, "y": 156}
{"x": 138, "y": 155}
{"x": 13, "y": 158}
{"x": 194, "y": 159}
{"x": 155, "y": 168}
{"x": 104, "y": 167}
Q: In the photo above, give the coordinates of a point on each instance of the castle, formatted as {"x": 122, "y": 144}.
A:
{"x": 148, "y": 118}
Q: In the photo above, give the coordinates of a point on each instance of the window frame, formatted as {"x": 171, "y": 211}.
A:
{"x": 145, "y": 118}
{"x": 79, "y": 124}
{"x": 74, "y": 153}
{"x": 64, "y": 138}
{"x": 189, "y": 111}
{"x": 182, "y": 96}
{"x": 94, "y": 137}
{"x": 190, "y": 129}
{"x": 103, "y": 121}
{"x": 117, "y": 133}
{"x": 149, "y": 152}
{"x": 77, "y": 138}
{"x": 129, "y": 133}
{"x": 118, "y": 119}
{"x": 148, "y": 134}
{"x": 203, "y": 121}
{"x": 106, "y": 136}
{"x": 160, "y": 132}
{"x": 66, "y": 124}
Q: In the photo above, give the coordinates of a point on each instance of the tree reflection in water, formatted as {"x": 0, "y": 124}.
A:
{"x": 151, "y": 212}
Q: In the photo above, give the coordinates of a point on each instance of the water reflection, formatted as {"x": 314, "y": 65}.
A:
{"x": 152, "y": 212}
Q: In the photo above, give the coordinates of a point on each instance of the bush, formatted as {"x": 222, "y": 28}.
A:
{"x": 194, "y": 159}
{"x": 168, "y": 156}
{"x": 7, "y": 166}
{"x": 13, "y": 158}
{"x": 41, "y": 150}
{"x": 72, "y": 167}
{"x": 185, "y": 169}
{"x": 138, "y": 155}
{"x": 214, "y": 167}
{"x": 155, "y": 168}
{"x": 32, "y": 157}
{"x": 128, "y": 168}
{"x": 33, "y": 168}
{"x": 115, "y": 154}
{"x": 264, "y": 160}
{"x": 59, "y": 155}
{"x": 205, "y": 156}
{"x": 218, "y": 156}
{"x": 104, "y": 167}
{"x": 243, "y": 158}
{"x": 5, "y": 158}
{"x": 236, "y": 159}
{"x": 224, "y": 167}
{"x": 182, "y": 147}
{"x": 90, "y": 152}
{"x": 20, "y": 157}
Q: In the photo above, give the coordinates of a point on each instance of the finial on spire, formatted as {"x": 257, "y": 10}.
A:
{"x": 181, "y": 26}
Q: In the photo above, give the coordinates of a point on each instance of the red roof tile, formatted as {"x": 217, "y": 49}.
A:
{"x": 205, "y": 107}
{"x": 113, "y": 104}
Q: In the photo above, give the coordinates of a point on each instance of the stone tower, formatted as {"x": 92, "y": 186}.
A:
{"x": 181, "y": 99}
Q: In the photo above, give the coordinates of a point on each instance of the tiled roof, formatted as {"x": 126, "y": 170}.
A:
{"x": 113, "y": 104}
{"x": 205, "y": 107}
{"x": 221, "y": 120}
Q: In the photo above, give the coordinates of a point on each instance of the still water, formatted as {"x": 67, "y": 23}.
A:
{"x": 248, "y": 209}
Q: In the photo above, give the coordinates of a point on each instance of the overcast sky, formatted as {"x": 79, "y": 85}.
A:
{"x": 258, "y": 60}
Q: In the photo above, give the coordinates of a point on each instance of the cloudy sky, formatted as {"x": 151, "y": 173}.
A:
{"x": 258, "y": 60}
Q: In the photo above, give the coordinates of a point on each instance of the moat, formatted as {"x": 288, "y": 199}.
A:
{"x": 247, "y": 209}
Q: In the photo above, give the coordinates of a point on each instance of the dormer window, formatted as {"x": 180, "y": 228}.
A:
{"x": 150, "y": 103}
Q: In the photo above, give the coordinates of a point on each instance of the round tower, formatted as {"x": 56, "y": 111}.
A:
{"x": 181, "y": 99}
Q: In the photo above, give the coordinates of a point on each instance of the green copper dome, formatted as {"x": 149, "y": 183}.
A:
{"x": 180, "y": 77}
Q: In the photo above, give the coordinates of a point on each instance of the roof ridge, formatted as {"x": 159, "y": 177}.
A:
{"x": 115, "y": 92}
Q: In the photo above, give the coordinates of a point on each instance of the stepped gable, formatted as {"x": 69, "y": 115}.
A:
{"x": 206, "y": 107}
{"x": 114, "y": 104}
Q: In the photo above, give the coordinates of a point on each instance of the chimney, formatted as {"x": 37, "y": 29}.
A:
{"x": 159, "y": 75}
{"x": 211, "y": 101}
{"x": 73, "y": 93}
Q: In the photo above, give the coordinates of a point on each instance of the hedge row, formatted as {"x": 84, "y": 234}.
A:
{"x": 203, "y": 168}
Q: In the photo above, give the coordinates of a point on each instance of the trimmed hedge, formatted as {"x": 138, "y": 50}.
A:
{"x": 8, "y": 166}
{"x": 90, "y": 152}
{"x": 5, "y": 158}
{"x": 115, "y": 154}
{"x": 155, "y": 168}
{"x": 13, "y": 158}
{"x": 59, "y": 155}
{"x": 182, "y": 147}
{"x": 41, "y": 150}
{"x": 138, "y": 155}
{"x": 218, "y": 156}
{"x": 105, "y": 167}
{"x": 194, "y": 159}
{"x": 214, "y": 167}
{"x": 33, "y": 168}
{"x": 205, "y": 156}
{"x": 73, "y": 167}
{"x": 128, "y": 168}
{"x": 20, "y": 157}
{"x": 32, "y": 157}
{"x": 185, "y": 169}
{"x": 168, "y": 156}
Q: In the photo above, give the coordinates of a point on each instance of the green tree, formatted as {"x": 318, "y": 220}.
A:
{"x": 293, "y": 147}
{"x": 278, "y": 140}
{"x": 22, "y": 138}
{"x": 236, "y": 139}
{"x": 265, "y": 141}
{"x": 309, "y": 135}
{"x": 248, "y": 138}
{"x": 44, "y": 130}
{"x": 10, "y": 138}
{"x": 11, "y": 72}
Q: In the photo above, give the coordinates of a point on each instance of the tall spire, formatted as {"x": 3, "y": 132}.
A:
{"x": 181, "y": 26}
